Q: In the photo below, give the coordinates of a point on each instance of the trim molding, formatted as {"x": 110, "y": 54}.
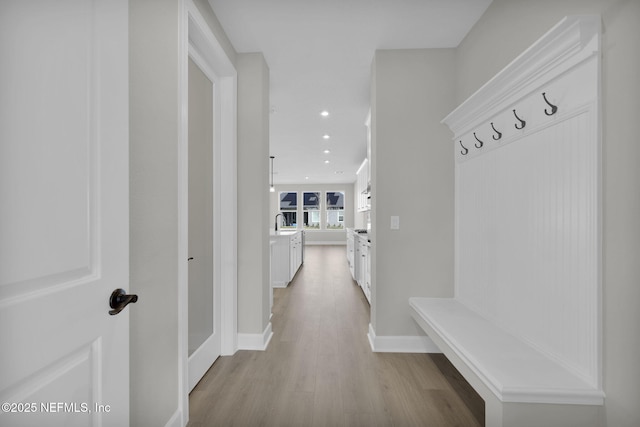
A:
{"x": 198, "y": 42}
{"x": 573, "y": 40}
{"x": 258, "y": 342}
{"x": 401, "y": 343}
{"x": 175, "y": 420}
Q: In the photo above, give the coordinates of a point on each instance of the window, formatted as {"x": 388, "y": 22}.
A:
{"x": 289, "y": 209}
{"x": 311, "y": 210}
{"x": 335, "y": 210}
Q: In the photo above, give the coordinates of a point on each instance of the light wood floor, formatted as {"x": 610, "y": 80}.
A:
{"x": 319, "y": 369}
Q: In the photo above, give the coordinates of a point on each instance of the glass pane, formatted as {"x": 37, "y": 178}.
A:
{"x": 200, "y": 266}
{"x": 288, "y": 201}
{"x": 311, "y": 210}
{"x": 335, "y": 210}
{"x": 288, "y": 208}
{"x": 289, "y": 219}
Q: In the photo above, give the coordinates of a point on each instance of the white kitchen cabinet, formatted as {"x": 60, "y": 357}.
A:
{"x": 295, "y": 254}
{"x": 359, "y": 259}
{"x": 271, "y": 246}
{"x": 351, "y": 251}
{"x": 286, "y": 257}
{"x": 363, "y": 175}
{"x": 363, "y": 187}
{"x": 363, "y": 264}
{"x": 366, "y": 288}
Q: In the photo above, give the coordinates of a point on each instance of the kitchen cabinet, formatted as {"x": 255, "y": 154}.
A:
{"x": 359, "y": 259}
{"x": 363, "y": 175}
{"x": 363, "y": 270}
{"x": 271, "y": 246}
{"x": 363, "y": 202}
{"x": 351, "y": 251}
{"x": 367, "y": 273}
{"x": 287, "y": 255}
{"x": 295, "y": 254}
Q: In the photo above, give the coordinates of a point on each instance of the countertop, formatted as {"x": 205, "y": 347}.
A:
{"x": 364, "y": 235}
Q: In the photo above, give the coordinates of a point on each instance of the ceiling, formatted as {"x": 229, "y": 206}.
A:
{"x": 319, "y": 55}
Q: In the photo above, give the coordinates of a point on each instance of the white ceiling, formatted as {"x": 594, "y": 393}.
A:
{"x": 319, "y": 55}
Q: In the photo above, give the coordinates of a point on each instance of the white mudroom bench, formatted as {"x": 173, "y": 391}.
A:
{"x": 521, "y": 386}
{"x": 525, "y": 324}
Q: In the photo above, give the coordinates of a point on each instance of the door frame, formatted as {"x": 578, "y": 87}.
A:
{"x": 198, "y": 42}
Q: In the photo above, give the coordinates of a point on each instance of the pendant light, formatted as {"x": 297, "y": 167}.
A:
{"x": 272, "y": 189}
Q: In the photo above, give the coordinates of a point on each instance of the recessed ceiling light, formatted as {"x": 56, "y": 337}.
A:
{"x": 327, "y": 161}
{"x": 306, "y": 177}
{"x": 326, "y": 136}
{"x": 326, "y": 151}
{"x": 324, "y": 113}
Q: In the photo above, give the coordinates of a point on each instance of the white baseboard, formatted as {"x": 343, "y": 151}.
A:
{"x": 175, "y": 420}
{"x": 255, "y": 341}
{"x": 400, "y": 344}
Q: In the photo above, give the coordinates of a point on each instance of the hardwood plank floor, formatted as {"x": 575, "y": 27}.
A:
{"x": 319, "y": 369}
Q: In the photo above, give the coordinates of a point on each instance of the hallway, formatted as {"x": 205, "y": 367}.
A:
{"x": 319, "y": 369}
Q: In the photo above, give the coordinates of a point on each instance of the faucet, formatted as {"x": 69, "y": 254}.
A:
{"x": 277, "y": 220}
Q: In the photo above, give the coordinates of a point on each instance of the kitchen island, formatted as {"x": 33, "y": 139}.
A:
{"x": 287, "y": 255}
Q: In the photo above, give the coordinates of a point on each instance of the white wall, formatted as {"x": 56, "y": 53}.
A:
{"x": 337, "y": 237}
{"x": 253, "y": 193}
{"x": 412, "y": 177}
{"x": 154, "y": 119}
{"x": 504, "y": 31}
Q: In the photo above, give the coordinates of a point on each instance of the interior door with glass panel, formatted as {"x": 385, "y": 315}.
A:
{"x": 204, "y": 296}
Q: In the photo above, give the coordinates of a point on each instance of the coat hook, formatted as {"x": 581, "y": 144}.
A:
{"x": 522, "y": 122}
{"x": 554, "y": 108}
{"x": 466, "y": 150}
{"x": 496, "y": 131}
{"x": 481, "y": 143}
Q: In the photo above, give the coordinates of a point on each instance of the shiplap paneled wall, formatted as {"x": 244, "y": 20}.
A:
{"x": 528, "y": 209}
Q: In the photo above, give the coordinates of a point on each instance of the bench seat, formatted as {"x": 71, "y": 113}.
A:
{"x": 511, "y": 369}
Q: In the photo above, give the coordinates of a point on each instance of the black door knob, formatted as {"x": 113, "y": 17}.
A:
{"x": 119, "y": 300}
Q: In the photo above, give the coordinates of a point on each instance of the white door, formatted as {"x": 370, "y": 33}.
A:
{"x": 64, "y": 360}
{"x": 204, "y": 270}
